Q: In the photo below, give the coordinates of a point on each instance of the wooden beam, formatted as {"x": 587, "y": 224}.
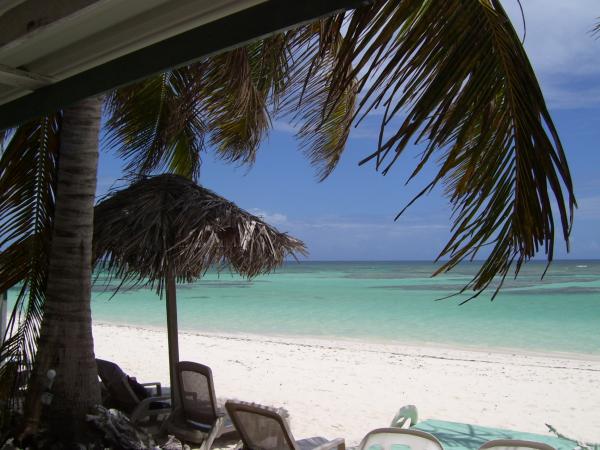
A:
{"x": 23, "y": 79}
{"x": 223, "y": 34}
{"x": 25, "y": 17}
{"x": 7, "y": 5}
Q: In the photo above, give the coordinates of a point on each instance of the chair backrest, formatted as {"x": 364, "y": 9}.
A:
{"x": 399, "y": 439}
{"x": 115, "y": 381}
{"x": 197, "y": 392}
{"x": 260, "y": 428}
{"x": 514, "y": 444}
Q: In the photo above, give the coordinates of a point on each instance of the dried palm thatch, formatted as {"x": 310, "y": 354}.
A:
{"x": 166, "y": 228}
{"x": 168, "y": 223}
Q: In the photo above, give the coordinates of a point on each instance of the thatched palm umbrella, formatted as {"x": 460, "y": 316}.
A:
{"x": 166, "y": 228}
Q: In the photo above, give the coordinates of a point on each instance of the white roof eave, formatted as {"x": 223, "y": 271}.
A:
{"x": 100, "y": 32}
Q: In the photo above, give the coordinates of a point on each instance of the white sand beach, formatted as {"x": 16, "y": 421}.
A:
{"x": 338, "y": 388}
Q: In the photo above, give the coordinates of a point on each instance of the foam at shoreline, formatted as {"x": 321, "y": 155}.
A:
{"x": 424, "y": 349}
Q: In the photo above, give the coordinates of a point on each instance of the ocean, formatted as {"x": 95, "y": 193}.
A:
{"x": 379, "y": 301}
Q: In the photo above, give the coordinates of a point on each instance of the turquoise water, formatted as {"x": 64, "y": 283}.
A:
{"x": 383, "y": 301}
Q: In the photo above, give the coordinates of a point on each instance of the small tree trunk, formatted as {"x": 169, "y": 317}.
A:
{"x": 66, "y": 342}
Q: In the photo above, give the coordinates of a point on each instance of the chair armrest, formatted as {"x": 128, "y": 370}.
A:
{"x": 337, "y": 444}
{"x": 154, "y": 383}
{"x": 408, "y": 414}
{"x": 214, "y": 433}
{"x": 143, "y": 409}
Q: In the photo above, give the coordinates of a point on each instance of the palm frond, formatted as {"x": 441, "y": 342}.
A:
{"x": 155, "y": 124}
{"x": 226, "y": 101}
{"x": 290, "y": 75}
{"x": 458, "y": 80}
{"x": 168, "y": 223}
{"x": 163, "y": 123}
{"x": 241, "y": 87}
{"x": 4, "y": 137}
{"x": 27, "y": 187}
{"x": 322, "y": 114}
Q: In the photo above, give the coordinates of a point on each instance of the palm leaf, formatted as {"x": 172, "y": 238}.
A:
{"x": 155, "y": 124}
{"x": 163, "y": 123}
{"x": 458, "y": 80}
{"x": 226, "y": 102}
{"x": 236, "y": 106}
{"x": 27, "y": 187}
{"x": 322, "y": 114}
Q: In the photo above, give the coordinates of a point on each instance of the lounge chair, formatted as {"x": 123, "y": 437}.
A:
{"x": 386, "y": 438}
{"x": 119, "y": 392}
{"x": 514, "y": 444}
{"x": 262, "y": 428}
{"x": 197, "y": 419}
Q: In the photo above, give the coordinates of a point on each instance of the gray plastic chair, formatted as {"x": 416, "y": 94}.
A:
{"x": 262, "y": 428}
{"x": 121, "y": 396}
{"x": 197, "y": 419}
{"x": 386, "y": 438}
{"x": 515, "y": 444}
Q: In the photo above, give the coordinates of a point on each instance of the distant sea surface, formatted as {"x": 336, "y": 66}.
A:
{"x": 380, "y": 301}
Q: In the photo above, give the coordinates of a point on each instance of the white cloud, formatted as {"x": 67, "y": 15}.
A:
{"x": 285, "y": 127}
{"x": 564, "y": 53}
{"x": 364, "y": 132}
{"x": 562, "y": 50}
{"x": 559, "y": 38}
{"x": 392, "y": 228}
{"x": 589, "y": 208}
{"x": 336, "y": 223}
{"x": 271, "y": 218}
{"x": 562, "y": 95}
{"x": 352, "y": 238}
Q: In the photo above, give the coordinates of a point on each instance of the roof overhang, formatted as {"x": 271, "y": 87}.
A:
{"x": 53, "y": 53}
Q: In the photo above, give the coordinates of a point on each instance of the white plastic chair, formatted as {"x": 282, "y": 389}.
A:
{"x": 399, "y": 439}
{"x": 514, "y": 444}
{"x": 262, "y": 428}
{"x": 407, "y": 415}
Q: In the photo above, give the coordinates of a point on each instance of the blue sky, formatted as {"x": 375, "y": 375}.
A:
{"x": 350, "y": 215}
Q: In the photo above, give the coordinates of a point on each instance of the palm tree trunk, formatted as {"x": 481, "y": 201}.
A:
{"x": 66, "y": 342}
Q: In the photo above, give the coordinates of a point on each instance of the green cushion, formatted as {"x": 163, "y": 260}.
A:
{"x": 462, "y": 436}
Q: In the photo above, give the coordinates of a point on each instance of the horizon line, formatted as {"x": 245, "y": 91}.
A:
{"x": 433, "y": 261}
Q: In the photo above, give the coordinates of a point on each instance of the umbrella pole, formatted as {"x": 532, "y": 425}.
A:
{"x": 173, "y": 337}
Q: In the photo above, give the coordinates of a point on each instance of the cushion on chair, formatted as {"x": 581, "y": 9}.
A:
{"x": 159, "y": 405}
{"x": 137, "y": 388}
{"x": 310, "y": 443}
